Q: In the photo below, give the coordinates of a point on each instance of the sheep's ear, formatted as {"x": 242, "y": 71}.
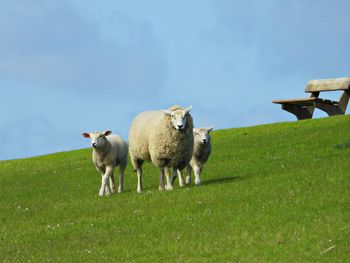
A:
{"x": 86, "y": 135}
{"x": 106, "y": 133}
{"x": 188, "y": 109}
{"x": 210, "y": 128}
{"x": 167, "y": 112}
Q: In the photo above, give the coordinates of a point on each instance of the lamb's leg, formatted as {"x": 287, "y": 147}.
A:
{"x": 181, "y": 180}
{"x": 104, "y": 182}
{"x": 112, "y": 183}
{"x": 107, "y": 189}
{"x": 197, "y": 174}
{"x": 121, "y": 178}
{"x": 169, "y": 185}
{"x": 102, "y": 171}
{"x": 188, "y": 177}
{"x": 161, "y": 179}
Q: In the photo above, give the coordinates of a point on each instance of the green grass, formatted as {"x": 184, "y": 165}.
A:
{"x": 271, "y": 193}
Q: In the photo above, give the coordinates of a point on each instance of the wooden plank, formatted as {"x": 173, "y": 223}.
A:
{"x": 295, "y": 101}
{"x": 305, "y": 101}
{"x": 328, "y": 85}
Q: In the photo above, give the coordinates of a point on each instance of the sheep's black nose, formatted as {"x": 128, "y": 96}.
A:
{"x": 180, "y": 126}
{"x": 204, "y": 141}
{"x": 93, "y": 144}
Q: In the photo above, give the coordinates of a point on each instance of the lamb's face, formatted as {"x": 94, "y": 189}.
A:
{"x": 202, "y": 135}
{"x": 98, "y": 139}
{"x": 178, "y": 117}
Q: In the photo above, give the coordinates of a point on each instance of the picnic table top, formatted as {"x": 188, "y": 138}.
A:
{"x": 304, "y": 101}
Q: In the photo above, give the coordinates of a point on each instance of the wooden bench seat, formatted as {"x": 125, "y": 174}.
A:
{"x": 303, "y": 108}
{"x": 305, "y": 101}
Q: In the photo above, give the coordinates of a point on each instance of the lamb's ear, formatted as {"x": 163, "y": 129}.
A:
{"x": 210, "y": 128}
{"x": 106, "y": 133}
{"x": 167, "y": 112}
{"x": 188, "y": 109}
{"x": 86, "y": 135}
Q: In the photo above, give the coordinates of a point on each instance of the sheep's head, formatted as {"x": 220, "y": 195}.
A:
{"x": 178, "y": 116}
{"x": 98, "y": 139}
{"x": 202, "y": 134}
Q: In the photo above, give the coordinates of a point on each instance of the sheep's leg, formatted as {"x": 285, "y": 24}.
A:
{"x": 121, "y": 177}
{"x": 102, "y": 171}
{"x": 107, "y": 189}
{"x": 181, "y": 180}
{"x": 197, "y": 174}
{"x": 110, "y": 173}
{"x": 173, "y": 178}
{"x": 169, "y": 185}
{"x": 139, "y": 179}
{"x": 112, "y": 183}
{"x": 104, "y": 186}
{"x": 188, "y": 177}
{"x": 161, "y": 179}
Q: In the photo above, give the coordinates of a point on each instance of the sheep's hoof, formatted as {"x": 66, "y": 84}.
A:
{"x": 139, "y": 190}
{"x": 197, "y": 182}
{"x": 182, "y": 184}
{"x": 161, "y": 188}
{"x": 113, "y": 189}
{"x": 120, "y": 190}
{"x": 188, "y": 180}
{"x": 169, "y": 187}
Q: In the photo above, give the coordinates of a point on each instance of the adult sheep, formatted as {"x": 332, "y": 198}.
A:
{"x": 164, "y": 137}
{"x": 109, "y": 151}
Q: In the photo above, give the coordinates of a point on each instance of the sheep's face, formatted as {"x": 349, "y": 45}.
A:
{"x": 98, "y": 139}
{"x": 202, "y": 134}
{"x": 178, "y": 117}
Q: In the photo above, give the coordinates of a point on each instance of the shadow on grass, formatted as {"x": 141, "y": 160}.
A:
{"x": 222, "y": 180}
{"x": 344, "y": 145}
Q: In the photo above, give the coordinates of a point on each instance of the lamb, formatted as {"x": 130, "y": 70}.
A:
{"x": 109, "y": 151}
{"x": 164, "y": 137}
{"x": 201, "y": 153}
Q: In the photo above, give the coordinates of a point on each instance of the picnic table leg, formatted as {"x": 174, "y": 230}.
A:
{"x": 343, "y": 100}
{"x": 330, "y": 109}
{"x": 339, "y": 109}
{"x": 301, "y": 112}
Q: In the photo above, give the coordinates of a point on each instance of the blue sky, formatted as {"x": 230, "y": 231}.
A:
{"x": 68, "y": 67}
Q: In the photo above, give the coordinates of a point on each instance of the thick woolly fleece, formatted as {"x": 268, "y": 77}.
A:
{"x": 152, "y": 137}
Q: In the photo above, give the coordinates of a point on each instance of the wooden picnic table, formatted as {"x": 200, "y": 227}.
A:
{"x": 303, "y": 108}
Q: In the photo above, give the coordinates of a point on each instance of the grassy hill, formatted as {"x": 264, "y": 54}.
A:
{"x": 270, "y": 193}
